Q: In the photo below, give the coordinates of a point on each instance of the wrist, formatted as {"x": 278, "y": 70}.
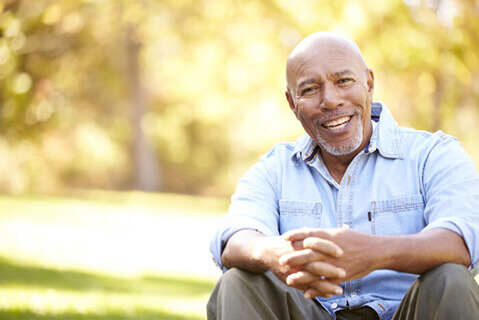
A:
{"x": 260, "y": 253}
{"x": 385, "y": 252}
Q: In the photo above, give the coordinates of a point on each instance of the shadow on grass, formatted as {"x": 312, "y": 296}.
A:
{"x": 31, "y": 276}
{"x": 139, "y": 314}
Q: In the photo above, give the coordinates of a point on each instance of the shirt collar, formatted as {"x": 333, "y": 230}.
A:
{"x": 306, "y": 148}
{"x": 385, "y": 137}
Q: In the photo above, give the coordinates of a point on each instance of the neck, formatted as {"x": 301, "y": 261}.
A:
{"x": 337, "y": 165}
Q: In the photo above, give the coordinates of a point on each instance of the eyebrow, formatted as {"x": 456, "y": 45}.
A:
{"x": 305, "y": 82}
{"x": 342, "y": 73}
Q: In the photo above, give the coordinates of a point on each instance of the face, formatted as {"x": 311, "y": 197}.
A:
{"x": 330, "y": 91}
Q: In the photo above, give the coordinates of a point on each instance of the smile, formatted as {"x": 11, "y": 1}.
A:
{"x": 337, "y": 124}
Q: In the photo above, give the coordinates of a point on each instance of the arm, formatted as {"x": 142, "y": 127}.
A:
{"x": 250, "y": 250}
{"x": 363, "y": 253}
{"x": 417, "y": 253}
{"x": 449, "y": 184}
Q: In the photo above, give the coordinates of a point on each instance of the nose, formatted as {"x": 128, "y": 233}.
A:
{"x": 330, "y": 97}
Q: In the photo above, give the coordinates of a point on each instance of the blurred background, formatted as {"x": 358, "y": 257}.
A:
{"x": 126, "y": 124}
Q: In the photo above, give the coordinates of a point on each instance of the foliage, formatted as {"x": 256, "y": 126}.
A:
{"x": 211, "y": 79}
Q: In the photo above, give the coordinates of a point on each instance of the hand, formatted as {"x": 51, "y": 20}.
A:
{"x": 268, "y": 250}
{"x": 326, "y": 279}
{"x": 358, "y": 259}
{"x": 322, "y": 276}
{"x": 272, "y": 249}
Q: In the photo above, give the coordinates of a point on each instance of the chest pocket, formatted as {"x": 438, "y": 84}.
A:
{"x": 404, "y": 215}
{"x": 298, "y": 214}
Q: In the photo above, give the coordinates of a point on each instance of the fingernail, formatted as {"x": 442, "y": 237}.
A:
{"x": 342, "y": 273}
{"x": 339, "y": 252}
{"x": 308, "y": 295}
{"x": 338, "y": 291}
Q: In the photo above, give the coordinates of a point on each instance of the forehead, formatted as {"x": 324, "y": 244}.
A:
{"x": 324, "y": 62}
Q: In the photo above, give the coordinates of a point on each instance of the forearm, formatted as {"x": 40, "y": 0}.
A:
{"x": 417, "y": 253}
{"x": 242, "y": 251}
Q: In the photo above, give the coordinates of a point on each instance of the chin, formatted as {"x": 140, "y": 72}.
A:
{"x": 343, "y": 148}
{"x": 339, "y": 151}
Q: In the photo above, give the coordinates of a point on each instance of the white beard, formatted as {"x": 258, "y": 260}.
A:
{"x": 346, "y": 147}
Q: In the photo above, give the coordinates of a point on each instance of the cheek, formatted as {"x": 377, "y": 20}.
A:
{"x": 307, "y": 124}
{"x": 359, "y": 92}
{"x": 359, "y": 98}
{"x": 303, "y": 111}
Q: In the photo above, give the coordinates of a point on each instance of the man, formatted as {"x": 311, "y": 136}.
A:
{"x": 349, "y": 215}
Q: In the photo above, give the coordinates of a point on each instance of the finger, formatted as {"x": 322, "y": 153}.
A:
{"x": 297, "y": 245}
{"x": 300, "y": 257}
{"x": 322, "y": 245}
{"x": 301, "y": 278}
{"x": 327, "y": 270}
{"x": 299, "y": 234}
{"x": 311, "y": 294}
{"x": 322, "y": 288}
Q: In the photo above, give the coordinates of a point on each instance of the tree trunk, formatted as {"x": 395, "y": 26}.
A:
{"x": 146, "y": 171}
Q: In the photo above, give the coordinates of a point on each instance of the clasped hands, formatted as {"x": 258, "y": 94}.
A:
{"x": 320, "y": 259}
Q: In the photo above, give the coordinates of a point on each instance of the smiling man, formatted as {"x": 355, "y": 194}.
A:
{"x": 330, "y": 90}
{"x": 358, "y": 219}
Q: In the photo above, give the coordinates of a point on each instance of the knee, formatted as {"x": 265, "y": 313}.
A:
{"x": 235, "y": 274}
{"x": 448, "y": 276}
{"x": 236, "y": 278}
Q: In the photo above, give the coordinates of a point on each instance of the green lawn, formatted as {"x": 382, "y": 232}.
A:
{"x": 61, "y": 257}
{"x": 103, "y": 255}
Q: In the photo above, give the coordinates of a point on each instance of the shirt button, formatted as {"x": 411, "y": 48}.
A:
{"x": 334, "y": 305}
{"x": 345, "y": 226}
{"x": 353, "y": 294}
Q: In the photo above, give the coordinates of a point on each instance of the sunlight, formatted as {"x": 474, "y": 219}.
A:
{"x": 113, "y": 239}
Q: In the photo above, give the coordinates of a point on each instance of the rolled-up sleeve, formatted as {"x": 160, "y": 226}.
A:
{"x": 253, "y": 206}
{"x": 451, "y": 185}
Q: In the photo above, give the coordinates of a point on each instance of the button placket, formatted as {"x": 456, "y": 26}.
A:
{"x": 346, "y": 193}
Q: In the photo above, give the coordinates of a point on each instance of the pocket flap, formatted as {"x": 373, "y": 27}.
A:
{"x": 288, "y": 206}
{"x": 398, "y": 204}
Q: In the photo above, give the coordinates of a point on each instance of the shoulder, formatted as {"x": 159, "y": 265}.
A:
{"x": 285, "y": 147}
{"x": 425, "y": 141}
{"x": 435, "y": 151}
{"x": 288, "y": 149}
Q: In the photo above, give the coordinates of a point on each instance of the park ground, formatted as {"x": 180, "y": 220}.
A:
{"x": 107, "y": 255}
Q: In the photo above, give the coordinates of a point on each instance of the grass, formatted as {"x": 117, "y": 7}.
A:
{"x": 32, "y": 292}
{"x": 106, "y": 256}
{"x": 102, "y": 255}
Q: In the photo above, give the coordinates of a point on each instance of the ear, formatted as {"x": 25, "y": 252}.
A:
{"x": 370, "y": 82}
{"x": 289, "y": 97}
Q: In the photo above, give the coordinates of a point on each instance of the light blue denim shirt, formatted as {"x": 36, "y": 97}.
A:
{"x": 405, "y": 181}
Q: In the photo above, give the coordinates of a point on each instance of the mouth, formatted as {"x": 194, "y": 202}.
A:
{"x": 337, "y": 124}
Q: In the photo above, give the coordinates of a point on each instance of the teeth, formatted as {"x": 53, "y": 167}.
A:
{"x": 337, "y": 122}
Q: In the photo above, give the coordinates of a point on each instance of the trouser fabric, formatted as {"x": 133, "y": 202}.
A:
{"x": 443, "y": 293}
{"x": 241, "y": 294}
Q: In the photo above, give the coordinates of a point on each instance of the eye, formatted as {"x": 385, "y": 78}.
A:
{"x": 345, "y": 81}
{"x": 309, "y": 90}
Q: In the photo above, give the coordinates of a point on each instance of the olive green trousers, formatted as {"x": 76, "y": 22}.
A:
{"x": 443, "y": 293}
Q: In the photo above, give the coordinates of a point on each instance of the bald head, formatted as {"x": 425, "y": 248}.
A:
{"x": 329, "y": 45}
